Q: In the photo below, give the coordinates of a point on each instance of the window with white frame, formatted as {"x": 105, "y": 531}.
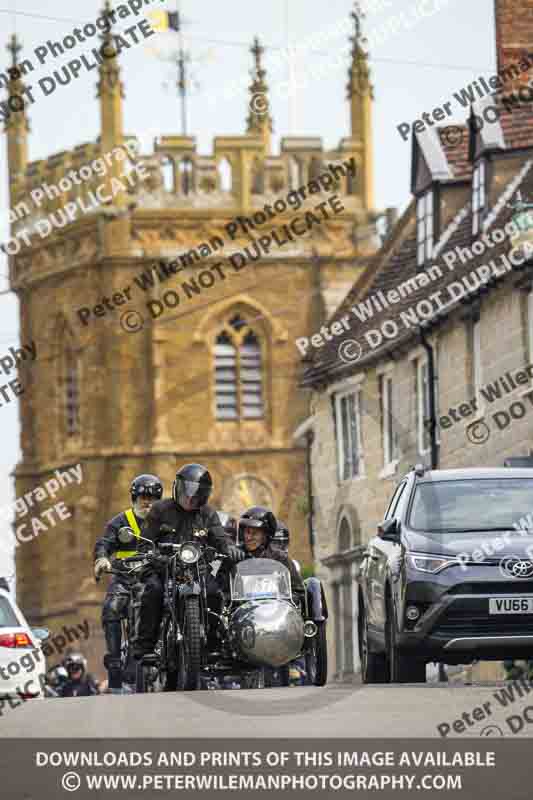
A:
{"x": 422, "y": 405}
{"x": 424, "y": 227}
{"x": 477, "y": 372}
{"x": 347, "y": 418}
{"x": 390, "y": 426}
{"x": 478, "y": 196}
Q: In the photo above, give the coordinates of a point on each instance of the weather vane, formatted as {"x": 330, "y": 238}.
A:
{"x": 167, "y": 21}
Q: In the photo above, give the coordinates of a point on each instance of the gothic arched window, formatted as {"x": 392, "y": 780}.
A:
{"x": 345, "y": 536}
{"x": 71, "y": 392}
{"x": 225, "y": 175}
{"x": 296, "y": 173}
{"x": 238, "y": 373}
{"x": 258, "y": 177}
{"x": 167, "y": 171}
{"x": 185, "y": 175}
{"x": 315, "y": 168}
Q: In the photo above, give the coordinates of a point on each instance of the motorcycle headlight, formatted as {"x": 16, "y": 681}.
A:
{"x": 189, "y": 554}
{"x": 433, "y": 564}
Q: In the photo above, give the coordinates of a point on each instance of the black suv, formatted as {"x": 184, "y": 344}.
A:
{"x": 449, "y": 575}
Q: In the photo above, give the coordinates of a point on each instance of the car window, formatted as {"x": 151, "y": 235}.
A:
{"x": 401, "y": 502}
{"x": 395, "y": 499}
{"x": 7, "y": 615}
{"x": 472, "y": 505}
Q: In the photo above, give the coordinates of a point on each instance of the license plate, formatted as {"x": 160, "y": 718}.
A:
{"x": 511, "y": 605}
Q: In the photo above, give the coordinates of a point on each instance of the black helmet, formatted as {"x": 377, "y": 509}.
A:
{"x": 75, "y": 661}
{"x": 146, "y": 485}
{"x": 193, "y": 481}
{"x": 259, "y": 517}
{"x": 281, "y": 537}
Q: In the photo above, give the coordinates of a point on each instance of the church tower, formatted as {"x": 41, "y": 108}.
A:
{"x": 157, "y": 343}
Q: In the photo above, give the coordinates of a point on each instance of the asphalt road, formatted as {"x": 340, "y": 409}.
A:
{"x": 333, "y": 711}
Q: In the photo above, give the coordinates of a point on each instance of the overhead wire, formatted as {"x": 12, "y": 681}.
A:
{"x": 230, "y": 43}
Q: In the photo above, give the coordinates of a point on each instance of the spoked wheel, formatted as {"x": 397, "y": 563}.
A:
{"x": 316, "y": 657}
{"x": 144, "y": 678}
{"x": 127, "y": 662}
{"x": 253, "y": 680}
{"x": 170, "y": 660}
{"x": 403, "y": 668}
{"x": 374, "y": 666}
{"x": 191, "y": 643}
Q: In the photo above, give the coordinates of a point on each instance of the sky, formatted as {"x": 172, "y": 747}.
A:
{"x": 412, "y": 71}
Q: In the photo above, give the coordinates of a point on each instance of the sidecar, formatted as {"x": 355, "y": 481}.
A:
{"x": 265, "y": 628}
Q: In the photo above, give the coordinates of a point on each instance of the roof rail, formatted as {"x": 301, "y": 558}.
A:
{"x": 419, "y": 470}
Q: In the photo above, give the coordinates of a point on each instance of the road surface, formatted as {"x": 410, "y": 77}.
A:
{"x": 333, "y": 711}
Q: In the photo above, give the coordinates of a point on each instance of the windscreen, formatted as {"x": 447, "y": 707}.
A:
{"x": 7, "y": 615}
{"x": 472, "y": 505}
{"x": 260, "y": 578}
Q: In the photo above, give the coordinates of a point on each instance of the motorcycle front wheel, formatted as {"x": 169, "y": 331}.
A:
{"x": 191, "y": 643}
{"x": 170, "y": 660}
{"x": 144, "y": 678}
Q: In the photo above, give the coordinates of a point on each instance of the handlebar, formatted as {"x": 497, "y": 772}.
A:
{"x": 128, "y": 559}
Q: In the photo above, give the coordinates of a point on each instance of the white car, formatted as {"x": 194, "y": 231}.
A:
{"x": 22, "y": 661}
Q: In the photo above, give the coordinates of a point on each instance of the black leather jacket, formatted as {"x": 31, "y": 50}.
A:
{"x": 107, "y": 549}
{"x": 166, "y": 512}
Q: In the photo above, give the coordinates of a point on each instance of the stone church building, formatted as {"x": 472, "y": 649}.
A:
{"x": 169, "y": 375}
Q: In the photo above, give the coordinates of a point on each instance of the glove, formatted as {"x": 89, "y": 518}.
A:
{"x": 236, "y": 554}
{"x": 101, "y": 565}
{"x": 157, "y": 561}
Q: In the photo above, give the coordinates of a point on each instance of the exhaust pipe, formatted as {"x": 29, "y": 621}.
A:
{"x": 310, "y": 628}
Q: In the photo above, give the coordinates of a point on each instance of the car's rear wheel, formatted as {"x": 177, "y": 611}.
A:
{"x": 374, "y": 666}
{"x": 403, "y": 668}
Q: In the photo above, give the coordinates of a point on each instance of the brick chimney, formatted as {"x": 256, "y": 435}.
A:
{"x": 514, "y": 41}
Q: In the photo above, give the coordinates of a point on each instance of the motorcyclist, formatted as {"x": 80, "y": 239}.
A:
{"x": 281, "y": 537}
{"x": 260, "y": 532}
{"x": 55, "y": 679}
{"x": 185, "y": 513}
{"x": 144, "y": 490}
{"x": 79, "y": 683}
{"x": 257, "y": 529}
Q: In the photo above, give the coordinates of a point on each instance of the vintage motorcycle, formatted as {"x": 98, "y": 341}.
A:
{"x": 181, "y": 646}
{"x": 261, "y": 630}
{"x": 131, "y": 568}
{"x": 255, "y": 635}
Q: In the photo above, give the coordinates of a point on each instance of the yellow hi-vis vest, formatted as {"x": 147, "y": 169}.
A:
{"x": 130, "y": 516}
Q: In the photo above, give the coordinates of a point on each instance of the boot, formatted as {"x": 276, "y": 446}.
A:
{"x": 113, "y": 635}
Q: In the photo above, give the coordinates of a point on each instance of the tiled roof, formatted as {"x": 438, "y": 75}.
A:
{"x": 399, "y": 265}
{"x": 454, "y": 140}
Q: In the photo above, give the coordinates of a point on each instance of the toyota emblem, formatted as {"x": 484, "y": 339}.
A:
{"x": 513, "y": 567}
